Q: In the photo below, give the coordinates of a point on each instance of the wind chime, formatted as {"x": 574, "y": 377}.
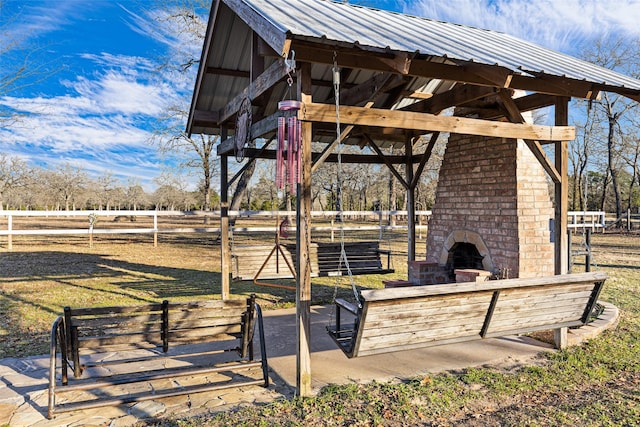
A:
{"x": 289, "y": 138}
{"x": 289, "y": 141}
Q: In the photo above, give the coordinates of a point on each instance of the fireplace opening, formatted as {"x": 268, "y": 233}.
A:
{"x": 464, "y": 255}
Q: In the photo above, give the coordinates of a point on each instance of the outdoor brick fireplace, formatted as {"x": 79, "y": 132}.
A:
{"x": 491, "y": 211}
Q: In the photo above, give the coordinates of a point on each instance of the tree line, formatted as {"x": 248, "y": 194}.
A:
{"x": 604, "y": 167}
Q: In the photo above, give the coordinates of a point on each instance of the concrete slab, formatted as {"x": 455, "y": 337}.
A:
{"x": 329, "y": 365}
{"x": 23, "y": 382}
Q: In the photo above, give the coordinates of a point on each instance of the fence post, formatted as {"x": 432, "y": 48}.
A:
{"x": 587, "y": 256}
{"x": 155, "y": 229}
{"x": 10, "y": 229}
{"x": 570, "y": 250}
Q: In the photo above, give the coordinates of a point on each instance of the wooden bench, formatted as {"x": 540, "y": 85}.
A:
{"x": 395, "y": 319}
{"x": 363, "y": 258}
{"x": 150, "y": 348}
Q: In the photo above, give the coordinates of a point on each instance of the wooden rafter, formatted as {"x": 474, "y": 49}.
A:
{"x": 264, "y": 82}
{"x": 514, "y": 115}
{"x": 424, "y": 159}
{"x": 459, "y": 95}
{"x": 386, "y": 161}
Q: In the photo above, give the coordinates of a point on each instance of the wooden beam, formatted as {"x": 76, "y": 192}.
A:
{"x": 501, "y": 77}
{"x": 361, "y": 59}
{"x": 401, "y": 62}
{"x": 531, "y": 102}
{"x": 345, "y": 132}
{"x": 424, "y": 159}
{"x": 562, "y": 191}
{"x": 206, "y": 118}
{"x": 258, "y": 130}
{"x": 469, "y": 72}
{"x": 371, "y": 89}
{"x": 272, "y": 75}
{"x": 369, "y": 159}
{"x": 459, "y": 95}
{"x": 387, "y": 161}
{"x": 428, "y": 122}
{"x": 271, "y": 34}
{"x": 225, "y": 253}
{"x": 303, "y": 244}
{"x": 514, "y": 115}
{"x": 411, "y": 201}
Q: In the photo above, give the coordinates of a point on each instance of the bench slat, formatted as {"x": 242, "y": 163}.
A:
{"x": 402, "y": 318}
{"x": 91, "y": 338}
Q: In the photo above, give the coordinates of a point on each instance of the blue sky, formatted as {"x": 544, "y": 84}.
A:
{"x": 102, "y": 90}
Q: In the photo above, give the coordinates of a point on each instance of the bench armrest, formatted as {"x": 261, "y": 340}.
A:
{"x": 351, "y": 308}
{"x": 387, "y": 252}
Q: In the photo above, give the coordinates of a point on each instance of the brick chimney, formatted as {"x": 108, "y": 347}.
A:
{"x": 494, "y": 194}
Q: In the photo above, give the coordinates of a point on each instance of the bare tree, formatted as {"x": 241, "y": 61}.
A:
{"x": 14, "y": 173}
{"x": 184, "y": 21}
{"x": 135, "y": 196}
{"x": 616, "y": 109}
{"x": 66, "y": 184}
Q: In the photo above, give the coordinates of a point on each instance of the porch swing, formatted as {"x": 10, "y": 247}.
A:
{"x": 396, "y": 319}
{"x": 328, "y": 258}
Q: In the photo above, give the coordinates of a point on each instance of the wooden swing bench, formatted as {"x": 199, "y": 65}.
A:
{"x": 406, "y": 318}
{"x": 265, "y": 261}
{"x": 151, "y": 348}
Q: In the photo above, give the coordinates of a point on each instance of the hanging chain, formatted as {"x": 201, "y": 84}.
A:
{"x": 343, "y": 254}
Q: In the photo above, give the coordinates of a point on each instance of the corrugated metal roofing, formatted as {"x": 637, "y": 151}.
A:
{"x": 379, "y": 29}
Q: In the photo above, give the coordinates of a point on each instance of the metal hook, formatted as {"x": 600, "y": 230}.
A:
{"x": 291, "y": 66}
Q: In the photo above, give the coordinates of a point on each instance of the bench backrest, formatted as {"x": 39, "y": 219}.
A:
{"x": 158, "y": 325}
{"x": 363, "y": 257}
{"x": 413, "y": 317}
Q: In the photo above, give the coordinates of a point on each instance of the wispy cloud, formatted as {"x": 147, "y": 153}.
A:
{"x": 101, "y": 111}
{"x": 562, "y": 25}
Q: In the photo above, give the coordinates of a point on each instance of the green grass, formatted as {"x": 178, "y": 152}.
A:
{"x": 596, "y": 383}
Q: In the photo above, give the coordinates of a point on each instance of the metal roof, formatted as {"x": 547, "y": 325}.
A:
{"x": 380, "y": 29}
{"x": 314, "y": 26}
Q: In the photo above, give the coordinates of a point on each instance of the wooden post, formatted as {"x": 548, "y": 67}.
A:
{"x": 155, "y": 229}
{"x": 10, "y": 229}
{"x": 225, "y": 257}
{"x": 561, "y": 189}
{"x": 562, "y": 206}
{"x": 303, "y": 242}
{"x": 587, "y": 255}
{"x": 411, "y": 202}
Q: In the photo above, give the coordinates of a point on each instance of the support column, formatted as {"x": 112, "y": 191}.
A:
{"x": 225, "y": 255}
{"x": 561, "y": 190}
{"x": 561, "y": 207}
{"x": 303, "y": 242}
{"x": 411, "y": 201}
